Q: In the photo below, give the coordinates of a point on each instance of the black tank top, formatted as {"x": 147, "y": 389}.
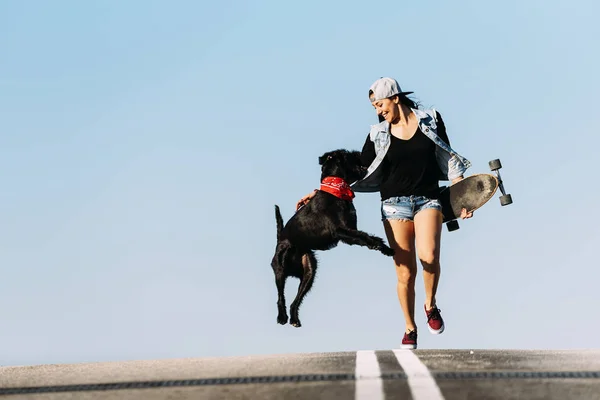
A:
{"x": 410, "y": 167}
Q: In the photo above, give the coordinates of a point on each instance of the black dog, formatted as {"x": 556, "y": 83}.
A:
{"x": 330, "y": 217}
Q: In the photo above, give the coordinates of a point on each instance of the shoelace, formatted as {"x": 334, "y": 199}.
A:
{"x": 412, "y": 335}
{"x": 434, "y": 313}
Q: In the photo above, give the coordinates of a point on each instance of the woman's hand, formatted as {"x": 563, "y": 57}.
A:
{"x": 303, "y": 201}
{"x": 464, "y": 214}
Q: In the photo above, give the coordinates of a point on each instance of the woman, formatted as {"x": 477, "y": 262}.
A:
{"x": 408, "y": 153}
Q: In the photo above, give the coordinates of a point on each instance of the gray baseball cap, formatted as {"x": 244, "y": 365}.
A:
{"x": 384, "y": 88}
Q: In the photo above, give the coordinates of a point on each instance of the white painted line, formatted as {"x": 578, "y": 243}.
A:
{"x": 421, "y": 383}
{"x": 369, "y": 385}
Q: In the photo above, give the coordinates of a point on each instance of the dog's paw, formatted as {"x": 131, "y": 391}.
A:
{"x": 388, "y": 251}
{"x": 282, "y": 319}
{"x": 295, "y": 323}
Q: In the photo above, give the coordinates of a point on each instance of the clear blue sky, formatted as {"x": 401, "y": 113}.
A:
{"x": 143, "y": 145}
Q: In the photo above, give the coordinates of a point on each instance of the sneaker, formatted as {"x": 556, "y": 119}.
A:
{"x": 435, "y": 323}
{"x": 409, "y": 341}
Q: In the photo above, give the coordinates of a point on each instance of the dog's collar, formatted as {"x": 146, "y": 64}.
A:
{"x": 337, "y": 187}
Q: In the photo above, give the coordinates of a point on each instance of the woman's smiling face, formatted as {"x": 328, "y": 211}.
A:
{"x": 387, "y": 108}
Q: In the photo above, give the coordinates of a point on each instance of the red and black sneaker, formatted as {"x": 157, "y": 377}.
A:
{"x": 435, "y": 323}
{"x": 409, "y": 341}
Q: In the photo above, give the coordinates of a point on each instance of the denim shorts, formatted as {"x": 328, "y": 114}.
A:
{"x": 406, "y": 207}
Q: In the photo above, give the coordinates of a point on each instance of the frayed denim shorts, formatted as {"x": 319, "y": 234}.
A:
{"x": 406, "y": 207}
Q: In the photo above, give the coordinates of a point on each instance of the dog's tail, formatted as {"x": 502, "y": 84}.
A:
{"x": 279, "y": 220}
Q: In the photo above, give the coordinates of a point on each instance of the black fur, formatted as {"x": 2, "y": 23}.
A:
{"x": 319, "y": 225}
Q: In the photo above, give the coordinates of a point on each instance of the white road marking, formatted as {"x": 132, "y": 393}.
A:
{"x": 369, "y": 385}
{"x": 421, "y": 383}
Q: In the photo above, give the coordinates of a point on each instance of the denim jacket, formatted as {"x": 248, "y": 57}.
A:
{"x": 452, "y": 165}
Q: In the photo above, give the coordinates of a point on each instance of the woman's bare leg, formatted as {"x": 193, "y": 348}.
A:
{"x": 428, "y": 232}
{"x": 401, "y": 237}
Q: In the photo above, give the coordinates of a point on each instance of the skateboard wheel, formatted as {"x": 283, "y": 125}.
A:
{"x": 505, "y": 200}
{"x": 452, "y": 225}
{"x": 495, "y": 164}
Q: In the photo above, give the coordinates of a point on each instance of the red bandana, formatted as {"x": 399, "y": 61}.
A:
{"x": 337, "y": 187}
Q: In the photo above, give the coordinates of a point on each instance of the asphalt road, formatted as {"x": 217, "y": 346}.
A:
{"x": 372, "y": 375}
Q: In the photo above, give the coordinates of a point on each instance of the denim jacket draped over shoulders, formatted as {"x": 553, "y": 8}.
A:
{"x": 451, "y": 164}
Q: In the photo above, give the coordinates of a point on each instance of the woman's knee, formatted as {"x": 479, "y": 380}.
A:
{"x": 429, "y": 257}
{"x": 406, "y": 273}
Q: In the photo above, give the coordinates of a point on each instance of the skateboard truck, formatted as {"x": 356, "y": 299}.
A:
{"x": 495, "y": 166}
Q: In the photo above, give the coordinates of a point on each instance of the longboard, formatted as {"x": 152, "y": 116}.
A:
{"x": 471, "y": 193}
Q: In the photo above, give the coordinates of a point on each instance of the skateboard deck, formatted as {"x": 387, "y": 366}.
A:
{"x": 471, "y": 193}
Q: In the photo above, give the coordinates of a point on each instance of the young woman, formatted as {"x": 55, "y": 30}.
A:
{"x": 407, "y": 154}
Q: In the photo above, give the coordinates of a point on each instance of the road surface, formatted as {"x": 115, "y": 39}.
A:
{"x": 361, "y": 375}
